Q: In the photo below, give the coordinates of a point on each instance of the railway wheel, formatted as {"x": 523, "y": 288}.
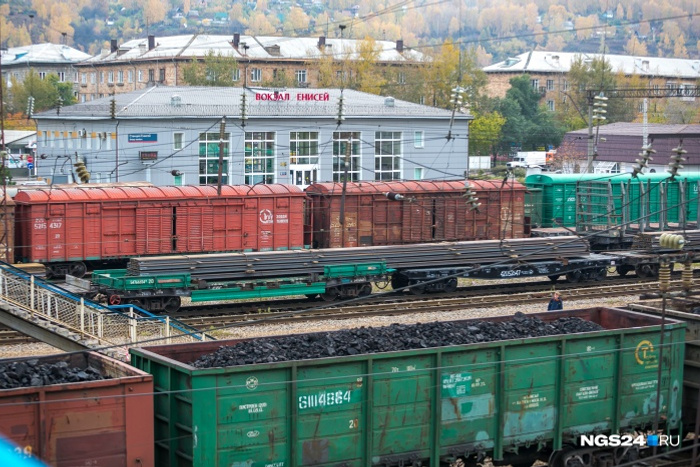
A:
{"x": 77, "y": 269}
{"x": 330, "y": 294}
{"x": 647, "y": 271}
{"x": 417, "y": 289}
{"x": 600, "y": 274}
{"x": 450, "y": 285}
{"x": 365, "y": 290}
{"x": 574, "y": 276}
{"x": 398, "y": 281}
{"x": 172, "y": 304}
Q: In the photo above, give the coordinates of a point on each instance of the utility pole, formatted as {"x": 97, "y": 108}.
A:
{"x": 345, "y": 185}
{"x": 221, "y": 154}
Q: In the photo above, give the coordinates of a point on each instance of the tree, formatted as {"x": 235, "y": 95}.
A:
{"x": 46, "y": 93}
{"x": 528, "y": 126}
{"x": 484, "y": 133}
{"x": 364, "y": 74}
{"x": 635, "y": 47}
{"x": 214, "y": 70}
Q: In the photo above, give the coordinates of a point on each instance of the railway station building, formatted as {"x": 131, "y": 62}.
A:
{"x": 177, "y": 136}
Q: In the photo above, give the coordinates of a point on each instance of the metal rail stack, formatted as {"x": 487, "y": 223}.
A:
{"x": 650, "y": 240}
{"x": 296, "y": 262}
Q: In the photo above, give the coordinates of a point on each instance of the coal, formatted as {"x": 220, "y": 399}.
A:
{"x": 33, "y": 373}
{"x": 368, "y": 340}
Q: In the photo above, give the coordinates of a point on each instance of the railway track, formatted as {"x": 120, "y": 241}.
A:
{"x": 403, "y": 305}
{"x": 474, "y": 296}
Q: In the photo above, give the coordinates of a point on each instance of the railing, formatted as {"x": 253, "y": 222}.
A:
{"x": 96, "y": 325}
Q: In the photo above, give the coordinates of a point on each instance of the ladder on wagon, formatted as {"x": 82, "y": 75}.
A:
{"x": 53, "y": 315}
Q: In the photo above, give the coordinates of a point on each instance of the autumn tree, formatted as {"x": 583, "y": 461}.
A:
{"x": 485, "y": 132}
{"x": 46, "y": 93}
{"x": 635, "y": 47}
{"x": 213, "y": 70}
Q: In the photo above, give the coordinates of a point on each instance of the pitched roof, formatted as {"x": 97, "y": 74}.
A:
{"x": 560, "y": 62}
{"x": 256, "y": 47}
{"x": 637, "y": 129}
{"x": 207, "y": 102}
{"x": 42, "y": 53}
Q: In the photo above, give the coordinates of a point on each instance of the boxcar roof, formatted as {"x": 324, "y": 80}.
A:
{"x": 166, "y": 192}
{"x": 422, "y": 186}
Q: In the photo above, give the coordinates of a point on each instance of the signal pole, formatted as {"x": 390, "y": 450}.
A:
{"x": 221, "y": 155}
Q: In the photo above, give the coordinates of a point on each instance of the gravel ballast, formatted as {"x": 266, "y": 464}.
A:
{"x": 396, "y": 337}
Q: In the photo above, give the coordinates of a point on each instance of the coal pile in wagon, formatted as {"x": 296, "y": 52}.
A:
{"x": 32, "y": 373}
{"x": 368, "y": 340}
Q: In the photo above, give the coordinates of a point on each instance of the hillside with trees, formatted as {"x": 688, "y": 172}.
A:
{"x": 496, "y": 29}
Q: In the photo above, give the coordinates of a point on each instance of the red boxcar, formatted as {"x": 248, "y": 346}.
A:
{"x": 431, "y": 211}
{"x": 107, "y": 423}
{"x": 65, "y": 228}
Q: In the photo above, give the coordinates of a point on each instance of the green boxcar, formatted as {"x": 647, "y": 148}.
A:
{"x": 620, "y": 198}
{"x": 430, "y": 405}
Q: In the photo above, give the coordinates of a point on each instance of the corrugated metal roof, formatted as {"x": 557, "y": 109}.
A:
{"x": 423, "y": 186}
{"x": 540, "y": 61}
{"x": 637, "y": 129}
{"x": 153, "y": 193}
{"x": 16, "y": 135}
{"x": 42, "y": 53}
{"x": 300, "y": 48}
{"x": 206, "y": 102}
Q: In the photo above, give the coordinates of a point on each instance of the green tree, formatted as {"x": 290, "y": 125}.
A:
{"x": 46, "y": 93}
{"x": 213, "y": 70}
{"x": 485, "y": 132}
{"x": 528, "y": 126}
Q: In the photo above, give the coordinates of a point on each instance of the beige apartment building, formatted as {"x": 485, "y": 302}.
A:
{"x": 548, "y": 72}
{"x": 261, "y": 60}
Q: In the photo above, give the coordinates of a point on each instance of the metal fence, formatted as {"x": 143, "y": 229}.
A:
{"x": 93, "y": 324}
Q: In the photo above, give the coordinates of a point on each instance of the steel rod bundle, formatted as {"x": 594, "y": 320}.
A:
{"x": 294, "y": 262}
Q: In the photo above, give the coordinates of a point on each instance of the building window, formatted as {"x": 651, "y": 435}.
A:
{"x": 120, "y": 77}
{"x": 387, "y": 155}
{"x": 535, "y": 83}
{"x": 83, "y": 78}
{"x": 303, "y": 147}
{"x": 401, "y": 77}
{"x": 42, "y": 74}
{"x": 421, "y": 100}
{"x": 140, "y": 76}
{"x": 82, "y": 98}
{"x": 61, "y": 76}
{"x": 130, "y": 76}
{"x": 550, "y": 85}
{"x": 259, "y": 157}
{"x": 418, "y": 173}
{"x": 177, "y": 141}
{"x": 418, "y": 139}
{"x": 210, "y": 75}
{"x": 209, "y": 158}
{"x": 550, "y": 105}
{"x": 255, "y": 75}
{"x": 110, "y": 77}
{"x": 301, "y": 76}
{"x": 102, "y": 77}
{"x": 161, "y": 75}
{"x": 93, "y": 78}
{"x": 340, "y": 147}
{"x": 236, "y": 74}
{"x": 151, "y": 75}
{"x": 566, "y": 85}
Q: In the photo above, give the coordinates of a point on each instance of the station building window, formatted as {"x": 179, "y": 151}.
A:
{"x": 387, "y": 155}
{"x": 303, "y": 147}
{"x": 340, "y": 147}
{"x": 209, "y": 158}
{"x": 259, "y": 157}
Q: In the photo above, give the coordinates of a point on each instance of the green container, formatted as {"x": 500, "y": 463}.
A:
{"x": 419, "y": 405}
{"x": 619, "y": 196}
